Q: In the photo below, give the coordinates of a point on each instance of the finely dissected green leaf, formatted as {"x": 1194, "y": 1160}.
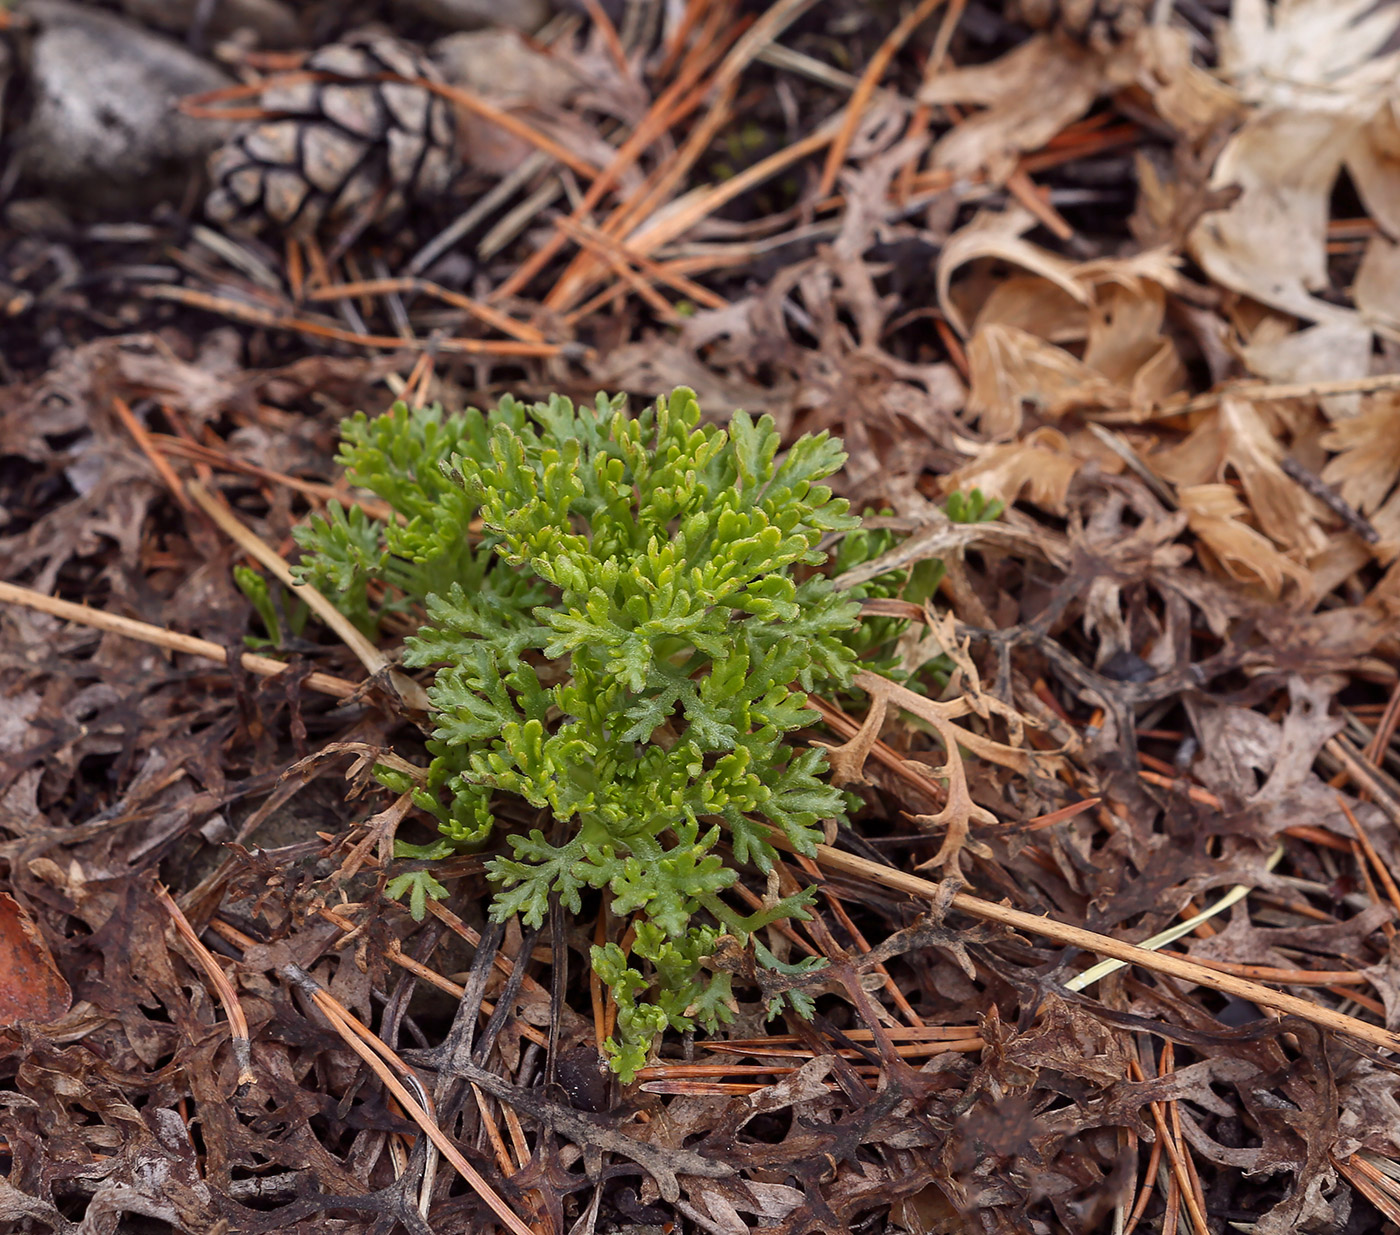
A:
{"x": 624, "y": 621}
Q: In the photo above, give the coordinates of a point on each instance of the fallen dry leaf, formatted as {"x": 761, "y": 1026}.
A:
{"x": 31, "y": 987}
{"x": 1030, "y": 94}
{"x": 1215, "y": 513}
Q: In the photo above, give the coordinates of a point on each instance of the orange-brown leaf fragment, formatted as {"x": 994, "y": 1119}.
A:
{"x": 31, "y": 988}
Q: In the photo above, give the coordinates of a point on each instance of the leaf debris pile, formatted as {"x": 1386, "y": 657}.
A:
{"x": 1130, "y": 273}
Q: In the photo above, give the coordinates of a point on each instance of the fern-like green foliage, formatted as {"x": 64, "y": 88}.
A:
{"x": 624, "y": 617}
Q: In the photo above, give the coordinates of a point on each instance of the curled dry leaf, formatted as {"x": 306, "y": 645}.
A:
{"x": 1117, "y": 306}
{"x": 1238, "y": 440}
{"x": 997, "y": 234}
{"x": 1039, "y": 467}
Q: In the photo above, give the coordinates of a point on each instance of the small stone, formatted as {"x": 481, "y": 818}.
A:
{"x": 104, "y": 119}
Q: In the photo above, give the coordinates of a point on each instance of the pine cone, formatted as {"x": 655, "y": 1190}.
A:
{"x": 1097, "y": 22}
{"x": 346, "y": 150}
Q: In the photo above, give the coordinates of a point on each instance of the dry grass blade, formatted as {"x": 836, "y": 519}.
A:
{"x": 1082, "y": 981}
{"x": 375, "y": 661}
{"x": 98, "y": 619}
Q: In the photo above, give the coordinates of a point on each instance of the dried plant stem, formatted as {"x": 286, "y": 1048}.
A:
{"x": 99, "y": 619}
{"x": 1262, "y": 392}
{"x": 1089, "y": 941}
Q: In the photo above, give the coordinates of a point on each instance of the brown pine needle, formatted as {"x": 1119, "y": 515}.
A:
{"x": 242, "y": 311}
{"x": 865, "y": 90}
{"x": 223, "y": 989}
{"x": 368, "y": 1046}
{"x": 142, "y": 437}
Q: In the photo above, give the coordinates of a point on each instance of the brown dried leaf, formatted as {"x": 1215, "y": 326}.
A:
{"x": 1039, "y": 467}
{"x": 1031, "y": 93}
{"x": 1011, "y": 368}
{"x": 1239, "y": 439}
{"x": 31, "y": 987}
{"x": 1216, "y": 515}
{"x": 1270, "y": 243}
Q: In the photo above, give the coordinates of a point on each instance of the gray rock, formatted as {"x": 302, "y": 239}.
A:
{"x": 475, "y": 14}
{"x": 104, "y": 123}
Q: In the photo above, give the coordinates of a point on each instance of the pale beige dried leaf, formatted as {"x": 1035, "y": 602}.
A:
{"x": 1215, "y": 514}
{"x": 1325, "y": 352}
{"x": 1128, "y": 361}
{"x": 1367, "y": 448}
{"x": 1036, "y": 306}
{"x": 1270, "y": 243}
{"x": 1156, "y": 265}
{"x": 1321, "y": 55}
{"x": 1187, "y": 97}
{"x": 1030, "y": 94}
{"x": 1038, "y": 467}
{"x": 1373, "y": 161}
{"x": 1126, "y": 343}
{"x": 1237, "y": 439}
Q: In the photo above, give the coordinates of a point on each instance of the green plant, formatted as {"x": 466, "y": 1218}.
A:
{"x": 254, "y": 586}
{"x": 626, "y": 644}
{"x": 623, "y": 614}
